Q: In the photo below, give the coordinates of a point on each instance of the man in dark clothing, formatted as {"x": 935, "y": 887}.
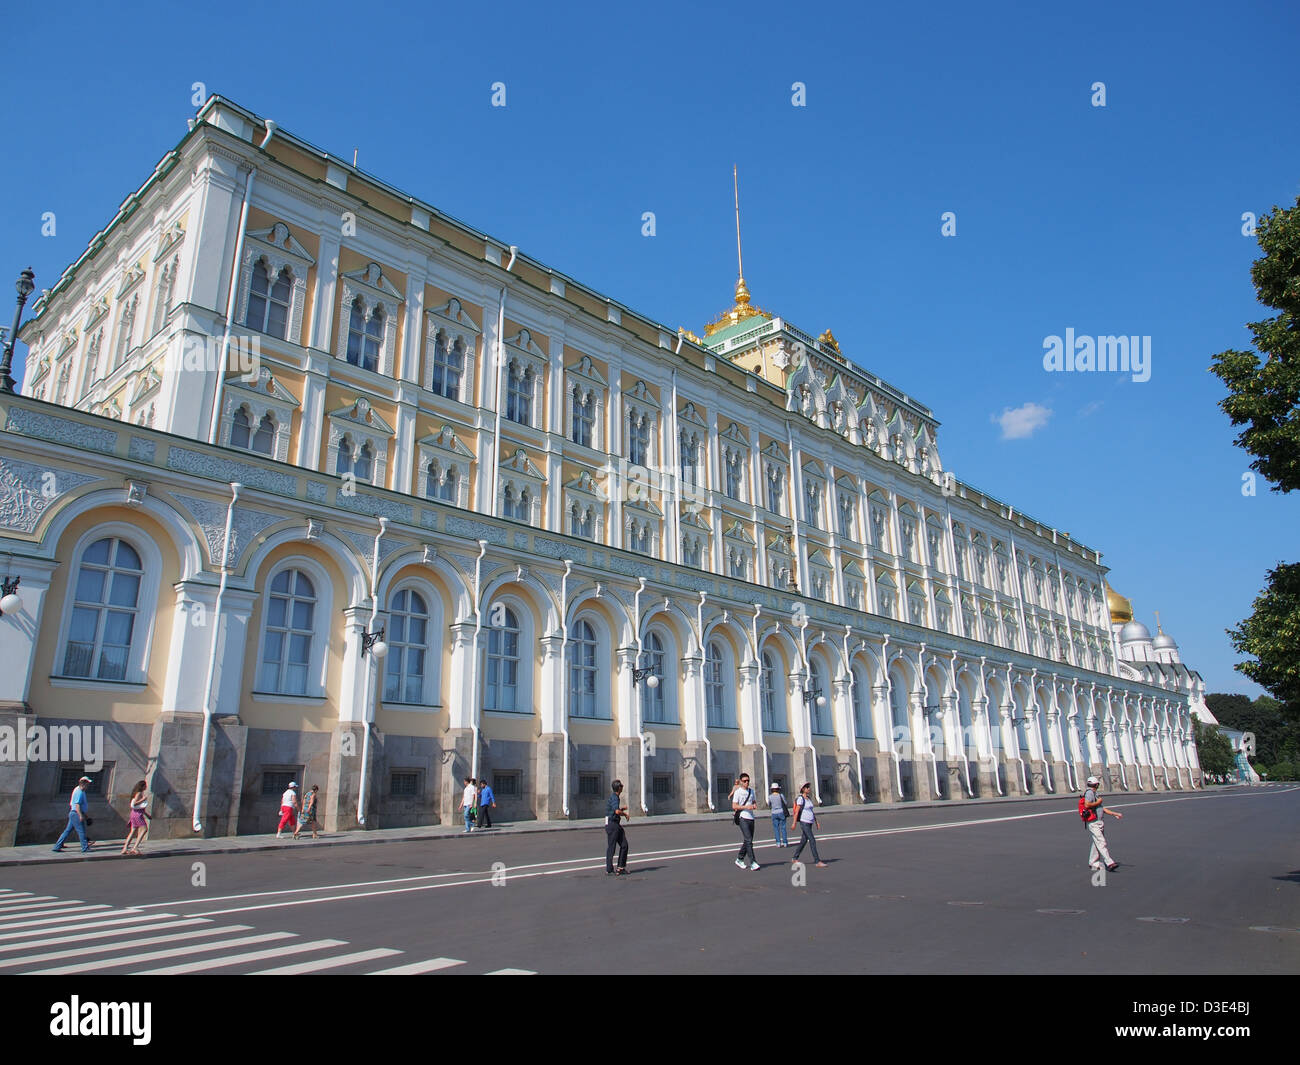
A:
{"x": 615, "y": 837}
{"x": 487, "y": 800}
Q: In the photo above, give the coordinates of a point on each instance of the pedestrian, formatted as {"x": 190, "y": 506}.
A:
{"x": 615, "y": 837}
{"x": 309, "y": 812}
{"x": 139, "y": 823}
{"x": 743, "y": 805}
{"x": 469, "y": 802}
{"x": 1097, "y": 853}
{"x": 806, "y": 810}
{"x": 487, "y": 801}
{"x": 77, "y": 819}
{"x": 288, "y": 809}
{"x": 780, "y": 814}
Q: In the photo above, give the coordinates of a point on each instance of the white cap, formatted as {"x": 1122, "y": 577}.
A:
{"x": 1093, "y": 780}
{"x": 292, "y": 784}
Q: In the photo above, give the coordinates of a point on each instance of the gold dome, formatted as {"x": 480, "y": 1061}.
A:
{"x": 1121, "y": 610}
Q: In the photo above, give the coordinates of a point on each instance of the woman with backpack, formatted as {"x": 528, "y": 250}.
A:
{"x": 780, "y": 814}
{"x": 807, "y": 814}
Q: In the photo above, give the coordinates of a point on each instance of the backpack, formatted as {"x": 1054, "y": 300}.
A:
{"x": 1085, "y": 813}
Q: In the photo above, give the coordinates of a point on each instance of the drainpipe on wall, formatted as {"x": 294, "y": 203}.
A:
{"x": 372, "y": 668}
{"x": 636, "y": 695}
{"x": 889, "y": 698}
{"x": 235, "y": 486}
{"x": 475, "y": 699}
{"x": 1047, "y": 763}
{"x": 708, "y": 747}
{"x": 853, "y": 724}
{"x": 232, "y": 298}
{"x": 929, "y": 740}
{"x": 961, "y": 744}
{"x": 1024, "y": 778}
{"x": 501, "y": 365}
{"x": 564, "y": 680}
{"x": 762, "y": 739}
{"x": 988, "y": 729}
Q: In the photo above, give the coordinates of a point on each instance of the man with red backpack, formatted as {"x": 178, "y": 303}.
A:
{"x": 1091, "y": 811}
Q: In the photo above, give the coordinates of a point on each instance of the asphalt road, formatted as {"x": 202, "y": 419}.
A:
{"x": 1207, "y": 884}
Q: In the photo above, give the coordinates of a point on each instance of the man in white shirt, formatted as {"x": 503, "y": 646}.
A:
{"x": 744, "y": 804}
{"x": 468, "y": 801}
{"x": 288, "y": 809}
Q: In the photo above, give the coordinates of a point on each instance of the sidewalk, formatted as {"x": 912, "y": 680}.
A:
{"x": 40, "y": 853}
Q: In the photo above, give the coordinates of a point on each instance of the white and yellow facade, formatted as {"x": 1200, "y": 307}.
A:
{"x": 543, "y": 497}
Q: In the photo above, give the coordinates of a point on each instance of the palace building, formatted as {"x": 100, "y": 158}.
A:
{"x": 279, "y": 408}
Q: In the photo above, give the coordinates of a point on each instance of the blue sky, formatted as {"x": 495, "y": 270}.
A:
{"x": 1123, "y": 219}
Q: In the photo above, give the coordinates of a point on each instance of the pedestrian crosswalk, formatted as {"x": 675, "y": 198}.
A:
{"x": 48, "y": 936}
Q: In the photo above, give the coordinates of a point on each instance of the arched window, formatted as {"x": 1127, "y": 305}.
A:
{"x": 125, "y": 327}
{"x": 772, "y": 693}
{"x": 240, "y": 429}
{"x": 652, "y": 699}
{"x": 816, "y": 683}
{"x": 638, "y": 438}
{"x": 268, "y": 303}
{"x": 166, "y": 288}
{"x": 364, "y": 335}
{"x": 861, "y": 706}
{"x": 584, "y": 419}
{"x": 715, "y": 691}
{"x": 582, "y": 670}
{"x": 407, "y": 636}
{"x": 689, "y": 446}
{"x": 290, "y": 629}
{"x": 104, "y": 611}
{"x": 364, "y": 469}
{"x": 448, "y": 366}
{"x": 501, "y": 677}
{"x": 733, "y": 472}
{"x": 343, "y": 465}
{"x": 519, "y": 394}
{"x": 264, "y": 439}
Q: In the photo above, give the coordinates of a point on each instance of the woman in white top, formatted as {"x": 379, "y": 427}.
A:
{"x": 807, "y": 813}
{"x": 138, "y": 825}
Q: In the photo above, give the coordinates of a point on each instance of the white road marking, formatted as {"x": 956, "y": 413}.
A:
{"x": 39, "y": 909}
{"x": 107, "y": 934}
{"x": 124, "y": 944}
{"x": 66, "y": 915}
{"x": 416, "y": 967}
{"x": 239, "y": 959}
{"x": 115, "y": 920}
{"x": 158, "y": 955}
{"x": 512, "y": 972}
{"x": 328, "y": 963}
{"x": 23, "y": 899}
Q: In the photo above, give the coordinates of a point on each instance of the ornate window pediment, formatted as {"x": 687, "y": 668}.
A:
{"x": 523, "y": 341}
{"x": 146, "y": 384}
{"x": 688, "y": 413}
{"x": 360, "y": 432}
{"x": 257, "y": 399}
{"x": 739, "y": 533}
{"x": 278, "y": 251}
{"x": 519, "y": 463}
{"x": 96, "y": 311}
{"x": 133, "y": 275}
{"x": 451, "y": 346}
{"x": 68, "y": 340}
{"x": 736, "y": 434}
{"x": 42, "y": 368}
{"x": 171, "y": 236}
{"x": 585, "y": 391}
{"x": 444, "y": 467}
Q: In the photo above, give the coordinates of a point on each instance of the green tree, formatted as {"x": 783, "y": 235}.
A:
{"x": 1214, "y": 751}
{"x": 1264, "y": 397}
{"x": 1282, "y": 771}
{"x": 1276, "y": 738}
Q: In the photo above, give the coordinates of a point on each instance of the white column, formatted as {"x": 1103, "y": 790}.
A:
{"x": 552, "y": 681}
{"x": 190, "y": 646}
{"x": 311, "y": 417}
{"x": 20, "y": 631}
{"x": 323, "y": 299}
{"x": 460, "y": 698}
{"x": 352, "y": 685}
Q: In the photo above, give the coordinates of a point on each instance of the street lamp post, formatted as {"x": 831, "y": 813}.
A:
{"x": 24, "y": 286}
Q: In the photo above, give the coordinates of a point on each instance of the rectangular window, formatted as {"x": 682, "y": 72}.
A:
{"x": 775, "y": 490}
{"x": 507, "y": 784}
{"x": 662, "y": 785}
{"x": 591, "y": 785}
{"x": 584, "y": 419}
{"x": 406, "y": 783}
{"x": 519, "y": 395}
{"x": 733, "y": 472}
{"x": 276, "y": 781}
{"x": 827, "y": 789}
{"x": 71, "y": 772}
{"x": 723, "y": 784}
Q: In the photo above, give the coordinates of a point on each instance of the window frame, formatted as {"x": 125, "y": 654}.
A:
{"x": 318, "y": 659}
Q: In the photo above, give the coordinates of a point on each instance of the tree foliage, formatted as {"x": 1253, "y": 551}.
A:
{"x": 1264, "y": 397}
{"x": 1214, "y": 751}
{"x": 1276, "y": 738}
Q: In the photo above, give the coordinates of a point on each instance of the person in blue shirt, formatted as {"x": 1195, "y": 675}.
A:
{"x": 76, "y": 817}
{"x": 487, "y": 799}
{"x": 615, "y": 837}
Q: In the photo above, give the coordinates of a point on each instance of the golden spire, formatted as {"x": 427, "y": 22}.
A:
{"x": 742, "y": 308}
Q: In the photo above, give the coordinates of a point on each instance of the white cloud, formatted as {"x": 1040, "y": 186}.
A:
{"x": 1091, "y": 408}
{"x": 1020, "y": 422}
